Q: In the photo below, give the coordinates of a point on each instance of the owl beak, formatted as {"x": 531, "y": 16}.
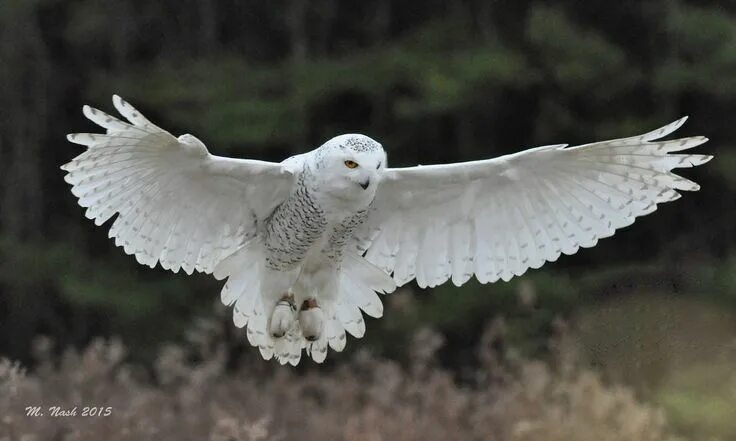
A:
{"x": 365, "y": 184}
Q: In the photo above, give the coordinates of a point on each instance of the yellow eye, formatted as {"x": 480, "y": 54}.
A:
{"x": 351, "y": 164}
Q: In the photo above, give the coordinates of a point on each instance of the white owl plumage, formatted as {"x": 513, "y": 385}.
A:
{"x": 307, "y": 244}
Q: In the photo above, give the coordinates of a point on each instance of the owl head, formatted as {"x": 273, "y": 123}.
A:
{"x": 352, "y": 164}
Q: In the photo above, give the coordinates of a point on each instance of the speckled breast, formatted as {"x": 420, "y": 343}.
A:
{"x": 293, "y": 229}
{"x": 299, "y": 224}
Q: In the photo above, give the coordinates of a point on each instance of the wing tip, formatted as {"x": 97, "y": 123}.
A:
{"x": 119, "y": 103}
{"x": 90, "y": 112}
{"x": 676, "y": 124}
{"x": 664, "y": 130}
{"x": 698, "y": 160}
{"x": 72, "y": 137}
{"x": 67, "y": 166}
{"x": 687, "y": 143}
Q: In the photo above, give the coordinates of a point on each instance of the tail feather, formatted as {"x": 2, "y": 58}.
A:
{"x": 288, "y": 349}
{"x": 349, "y": 315}
{"x": 359, "y": 285}
{"x": 358, "y": 268}
{"x": 335, "y": 333}
{"x": 318, "y": 349}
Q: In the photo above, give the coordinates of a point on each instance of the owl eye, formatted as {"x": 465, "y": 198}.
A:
{"x": 351, "y": 164}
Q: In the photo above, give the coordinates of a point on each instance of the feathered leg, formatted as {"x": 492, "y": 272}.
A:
{"x": 311, "y": 319}
{"x": 282, "y": 316}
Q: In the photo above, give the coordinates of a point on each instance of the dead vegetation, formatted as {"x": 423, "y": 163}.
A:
{"x": 366, "y": 398}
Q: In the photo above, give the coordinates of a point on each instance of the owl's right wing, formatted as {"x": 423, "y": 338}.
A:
{"x": 176, "y": 203}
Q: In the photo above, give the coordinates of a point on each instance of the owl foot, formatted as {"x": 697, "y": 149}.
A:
{"x": 282, "y": 316}
{"x": 311, "y": 319}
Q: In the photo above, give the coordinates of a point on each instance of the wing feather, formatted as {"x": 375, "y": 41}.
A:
{"x": 496, "y": 218}
{"x": 176, "y": 204}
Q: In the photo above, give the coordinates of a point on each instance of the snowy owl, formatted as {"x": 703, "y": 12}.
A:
{"x": 309, "y": 243}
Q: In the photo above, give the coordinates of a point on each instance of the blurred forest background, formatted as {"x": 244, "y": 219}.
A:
{"x": 645, "y": 320}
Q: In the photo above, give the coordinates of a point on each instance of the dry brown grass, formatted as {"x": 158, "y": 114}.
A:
{"x": 365, "y": 399}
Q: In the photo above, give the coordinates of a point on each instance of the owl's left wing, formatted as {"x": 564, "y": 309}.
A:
{"x": 498, "y": 217}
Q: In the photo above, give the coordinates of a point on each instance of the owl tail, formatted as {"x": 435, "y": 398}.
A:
{"x": 358, "y": 287}
{"x": 359, "y": 283}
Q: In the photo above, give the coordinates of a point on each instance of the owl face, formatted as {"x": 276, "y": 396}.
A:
{"x": 353, "y": 165}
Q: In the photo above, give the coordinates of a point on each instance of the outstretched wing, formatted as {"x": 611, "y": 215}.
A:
{"x": 496, "y": 218}
{"x": 176, "y": 203}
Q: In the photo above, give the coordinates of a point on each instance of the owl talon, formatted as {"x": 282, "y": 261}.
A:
{"x": 311, "y": 319}
{"x": 282, "y": 316}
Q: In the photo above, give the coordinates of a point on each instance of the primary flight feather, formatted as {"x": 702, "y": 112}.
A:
{"x": 309, "y": 243}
